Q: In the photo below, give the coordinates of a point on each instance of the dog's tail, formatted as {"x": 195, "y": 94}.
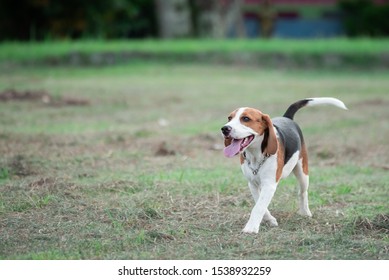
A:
{"x": 312, "y": 102}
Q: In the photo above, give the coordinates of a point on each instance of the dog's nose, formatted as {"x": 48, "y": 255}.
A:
{"x": 226, "y": 130}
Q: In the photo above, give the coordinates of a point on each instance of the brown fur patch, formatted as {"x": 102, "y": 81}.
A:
{"x": 227, "y": 141}
{"x": 280, "y": 161}
{"x": 304, "y": 156}
{"x": 241, "y": 159}
{"x": 272, "y": 142}
{"x": 232, "y": 115}
{"x": 255, "y": 122}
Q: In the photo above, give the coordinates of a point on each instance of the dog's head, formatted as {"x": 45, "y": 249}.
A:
{"x": 245, "y": 127}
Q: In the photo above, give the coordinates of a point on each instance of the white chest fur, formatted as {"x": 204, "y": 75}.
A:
{"x": 258, "y": 169}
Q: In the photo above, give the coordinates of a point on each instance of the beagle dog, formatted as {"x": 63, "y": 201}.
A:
{"x": 270, "y": 149}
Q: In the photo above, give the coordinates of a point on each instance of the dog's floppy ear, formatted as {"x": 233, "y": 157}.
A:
{"x": 270, "y": 139}
{"x": 227, "y": 141}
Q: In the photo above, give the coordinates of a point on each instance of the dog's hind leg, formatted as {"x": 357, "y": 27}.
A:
{"x": 303, "y": 180}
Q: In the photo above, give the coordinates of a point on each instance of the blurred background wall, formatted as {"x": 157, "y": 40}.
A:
{"x": 74, "y": 19}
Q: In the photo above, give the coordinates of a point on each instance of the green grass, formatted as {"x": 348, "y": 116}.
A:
{"x": 4, "y": 173}
{"x": 31, "y": 51}
{"x": 93, "y": 182}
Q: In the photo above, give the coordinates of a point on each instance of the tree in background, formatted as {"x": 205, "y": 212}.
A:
{"x": 42, "y": 19}
{"x": 267, "y": 18}
{"x": 364, "y": 18}
{"x": 230, "y": 16}
{"x": 217, "y": 18}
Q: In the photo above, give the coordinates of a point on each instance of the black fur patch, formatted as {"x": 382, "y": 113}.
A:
{"x": 289, "y": 134}
{"x": 295, "y": 107}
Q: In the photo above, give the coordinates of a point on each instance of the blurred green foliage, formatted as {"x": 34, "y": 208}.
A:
{"x": 36, "y": 20}
{"x": 364, "y": 18}
{"x": 54, "y": 19}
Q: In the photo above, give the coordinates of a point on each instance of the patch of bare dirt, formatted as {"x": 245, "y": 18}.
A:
{"x": 42, "y": 183}
{"x": 164, "y": 150}
{"x": 21, "y": 166}
{"x": 13, "y": 95}
{"x": 378, "y": 223}
{"x": 40, "y": 96}
{"x": 376, "y": 102}
{"x": 208, "y": 141}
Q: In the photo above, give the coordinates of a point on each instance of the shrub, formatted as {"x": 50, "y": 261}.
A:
{"x": 364, "y": 18}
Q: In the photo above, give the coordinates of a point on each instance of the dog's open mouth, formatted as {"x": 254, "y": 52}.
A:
{"x": 237, "y": 145}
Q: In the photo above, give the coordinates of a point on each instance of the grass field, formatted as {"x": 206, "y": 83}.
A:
{"x": 35, "y": 51}
{"x": 125, "y": 162}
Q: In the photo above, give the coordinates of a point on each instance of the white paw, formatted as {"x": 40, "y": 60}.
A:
{"x": 305, "y": 212}
{"x": 273, "y": 222}
{"x": 270, "y": 220}
{"x": 250, "y": 229}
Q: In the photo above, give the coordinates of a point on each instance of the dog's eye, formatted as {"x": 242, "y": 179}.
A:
{"x": 246, "y": 119}
{"x": 229, "y": 118}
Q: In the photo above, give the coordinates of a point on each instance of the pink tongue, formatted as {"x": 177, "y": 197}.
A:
{"x": 233, "y": 148}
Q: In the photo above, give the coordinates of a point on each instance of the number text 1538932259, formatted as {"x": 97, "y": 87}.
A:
{"x": 259, "y": 271}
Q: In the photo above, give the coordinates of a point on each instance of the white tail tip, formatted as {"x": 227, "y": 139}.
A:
{"x": 326, "y": 101}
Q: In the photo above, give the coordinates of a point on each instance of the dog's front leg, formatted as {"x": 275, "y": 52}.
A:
{"x": 254, "y": 189}
{"x": 267, "y": 217}
{"x": 260, "y": 208}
